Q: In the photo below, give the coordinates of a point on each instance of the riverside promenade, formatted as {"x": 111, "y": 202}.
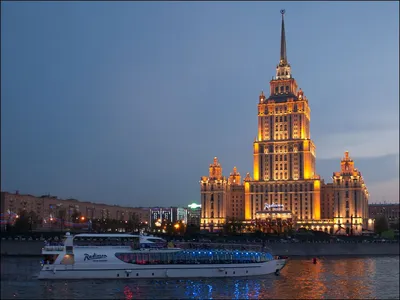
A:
{"x": 34, "y": 247}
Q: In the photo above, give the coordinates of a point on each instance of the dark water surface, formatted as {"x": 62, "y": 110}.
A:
{"x": 330, "y": 278}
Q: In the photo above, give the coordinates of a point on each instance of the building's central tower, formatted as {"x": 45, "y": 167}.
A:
{"x": 284, "y": 154}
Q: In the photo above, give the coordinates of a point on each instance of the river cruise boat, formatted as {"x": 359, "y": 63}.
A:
{"x": 112, "y": 256}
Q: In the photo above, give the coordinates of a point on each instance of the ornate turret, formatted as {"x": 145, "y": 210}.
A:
{"x": 347, "y": 164}
{"x": 234, "y": 177}
{"x": 215, "y": 170}
{"x": 262, "y": 97}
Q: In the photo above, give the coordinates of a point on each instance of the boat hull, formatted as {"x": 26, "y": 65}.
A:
{"x": 108, "y": 271}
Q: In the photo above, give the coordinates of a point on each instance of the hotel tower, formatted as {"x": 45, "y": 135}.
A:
{"x": 284, "y": 174}
{"x": 284, "y": 154}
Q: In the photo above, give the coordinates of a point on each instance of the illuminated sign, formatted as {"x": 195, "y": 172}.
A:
{"x": 194, "y": 205}
{"x": 269, "y": 206}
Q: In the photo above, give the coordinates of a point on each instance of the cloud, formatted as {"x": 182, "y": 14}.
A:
{"x": 374, "y": 169}
{"x": 370, "y": 143}
{"x": 384, "y": 191}
{"x": 381, "y": 174}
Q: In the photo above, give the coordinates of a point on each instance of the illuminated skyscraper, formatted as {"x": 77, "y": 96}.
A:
{"x": 284, "y": 154}
{"x": 284, "y": 169}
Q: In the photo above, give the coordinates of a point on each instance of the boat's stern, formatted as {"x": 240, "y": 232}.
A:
{"x": 280, "y": 263}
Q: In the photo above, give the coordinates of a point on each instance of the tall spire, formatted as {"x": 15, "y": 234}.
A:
{"x": 283, "y": 59}
{"x": 283, "y": 70}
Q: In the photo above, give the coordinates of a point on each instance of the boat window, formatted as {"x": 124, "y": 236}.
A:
{"x": 83, "y": 241}
{"x": 195, "y": 257}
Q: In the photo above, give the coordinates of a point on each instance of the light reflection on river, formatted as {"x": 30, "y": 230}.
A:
{"x": 331, "y": 278}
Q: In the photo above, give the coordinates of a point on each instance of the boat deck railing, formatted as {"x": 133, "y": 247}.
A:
{"x": 195, "y": 257}
{"x": 53, "y": 248}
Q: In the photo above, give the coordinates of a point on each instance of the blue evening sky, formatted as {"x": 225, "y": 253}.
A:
{"x": 128, "y": 102}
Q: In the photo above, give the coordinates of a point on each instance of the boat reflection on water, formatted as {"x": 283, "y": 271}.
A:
{"x": 330, "y": 278}
{"x": 334, "y": 278}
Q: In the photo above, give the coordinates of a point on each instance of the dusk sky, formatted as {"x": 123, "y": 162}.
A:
{"x": 127, "y": 103}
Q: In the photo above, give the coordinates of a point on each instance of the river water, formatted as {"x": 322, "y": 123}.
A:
{"x": 330, "y": 278}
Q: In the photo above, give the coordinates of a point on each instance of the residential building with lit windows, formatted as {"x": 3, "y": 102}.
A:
{"x": 48, "y": 207}
{"x": 391, "y": 211}
{"x": 158, "y": 215}
{"x": 194, "y": 214}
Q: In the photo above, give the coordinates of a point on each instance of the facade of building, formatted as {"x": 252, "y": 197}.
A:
{"x": 284, "y": 171}
{"x": 391, "y": 211}
{"x": 274, "y": 219}
{"x": 213, "y": 198}
{"x": 284, "y": 159}
{"x": 48, "y": 207}
{"x": 235, "y": 196}
{"x": 350, "y": 199}
{"x": 327, "y": 201}
{"x": 158, "y": 215}
{"x": 194, "y": 214}
{"x": 284, "y": 154}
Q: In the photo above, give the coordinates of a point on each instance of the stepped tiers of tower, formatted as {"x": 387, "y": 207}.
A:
{"x": 284, "y": 171}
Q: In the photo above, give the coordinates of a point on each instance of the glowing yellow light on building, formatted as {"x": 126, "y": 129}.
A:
{"x": 247, "y": 211}
{"x": 256, "y": 166}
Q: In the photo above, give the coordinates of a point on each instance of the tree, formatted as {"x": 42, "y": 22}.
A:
{"x": 233, "y": 226}
{"x": 179, "y": 228}
{"x": 61, "y": 214}
{"x": 381, "y": 225}
{"x": 22, "y": 223}
{"x": 133, "y": 222}
{"x": 33, "y": 220}
{"x": 395, "y": 226}
{"x": 227, "y": 227}
{"x": 192, "y": 229}
{"x": 75, "y": 215}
